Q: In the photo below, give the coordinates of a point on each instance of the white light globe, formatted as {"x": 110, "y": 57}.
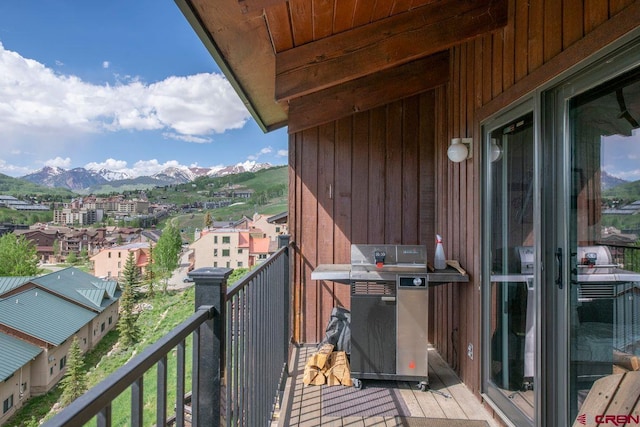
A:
{"x": 457, "y": 151}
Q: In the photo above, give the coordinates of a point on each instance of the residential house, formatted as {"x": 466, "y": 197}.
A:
{"x": 110, "y": 262}
{"x": 490, "y": 123}
{"x": 44, "y": 241}
{"x": 230, "y": 248}
{"x": 35, "y": 337}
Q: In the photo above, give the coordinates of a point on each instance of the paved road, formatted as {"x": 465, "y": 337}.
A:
{"x": 176, "y": 281}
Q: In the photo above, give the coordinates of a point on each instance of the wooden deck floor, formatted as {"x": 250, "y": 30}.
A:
{"x": 380, "y": 403}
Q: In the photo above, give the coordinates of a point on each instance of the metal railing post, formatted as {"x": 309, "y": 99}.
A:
{"x": 210, "y": 290}
{"x": 283, "y": 242}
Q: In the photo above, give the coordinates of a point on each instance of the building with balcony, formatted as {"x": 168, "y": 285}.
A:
{"x": 110, "y": 262}
{"x": 490, "y": 123}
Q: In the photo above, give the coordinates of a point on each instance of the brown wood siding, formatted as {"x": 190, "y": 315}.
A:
{"x": 369, "y": 178}
{"x": 542, "y": 38}
{"x": 378, "y": 191}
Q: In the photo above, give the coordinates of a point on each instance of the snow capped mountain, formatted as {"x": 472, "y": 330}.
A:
{"x": 79, "y": 179}
{"x": 74, "y": 179}
{"x": 248, "y": 166}
{"x": 176, "y": 175}
{"x": 111, "y": 175}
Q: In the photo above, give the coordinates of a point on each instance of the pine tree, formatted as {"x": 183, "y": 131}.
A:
{"x": 127, "y": 327}
{"x": 74, "y": 383}
{"x": 207, "y": 220}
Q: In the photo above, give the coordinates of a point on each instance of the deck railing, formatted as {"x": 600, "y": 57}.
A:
{"x": 240, "y": 348}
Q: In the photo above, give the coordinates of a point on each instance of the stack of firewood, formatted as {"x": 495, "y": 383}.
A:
{"x": 327, "y": 367}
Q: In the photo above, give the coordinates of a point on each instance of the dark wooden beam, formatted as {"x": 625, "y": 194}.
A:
{"x": 368, "y": 92}
{"x": 384, "y": 44}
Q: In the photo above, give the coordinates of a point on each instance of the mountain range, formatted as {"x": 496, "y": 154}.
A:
{"x": 82, "y": 180}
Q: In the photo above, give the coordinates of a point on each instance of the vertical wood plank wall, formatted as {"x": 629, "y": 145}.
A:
{"x": 382, "y": 175}
{"x": 368, "y": 178}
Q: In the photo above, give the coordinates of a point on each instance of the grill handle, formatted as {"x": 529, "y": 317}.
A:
{"x": 559, "y": 277}
{"x": 389, "y": 299}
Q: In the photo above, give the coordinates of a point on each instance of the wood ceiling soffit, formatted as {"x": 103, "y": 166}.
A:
{"x": 245, "y": 61}
{"x": 257, "y": 6}
{"x": 368, "y": 92}
{"x": 384, "y": 44}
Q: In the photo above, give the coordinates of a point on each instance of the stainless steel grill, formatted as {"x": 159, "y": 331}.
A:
{"x": 389, "y": 313}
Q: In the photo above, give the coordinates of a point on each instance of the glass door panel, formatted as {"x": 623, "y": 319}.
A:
{"x": 512, "y": 247}
{"x": 604, "y": 272}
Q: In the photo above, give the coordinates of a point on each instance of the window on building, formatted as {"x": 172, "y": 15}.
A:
{"x": 108, "y": 254}
{"x": 226, "y": 239}
{"x": 240, "y": 251}
{"x": 228, "y": 264}
{"x": 102, "y": 327}
{"x": 215, "y": 252}
{"x": 225, "y": 252}
{"x": 239, "y": 264}
{"x": 63, "y": 362}
{"x": 215, "y": 240}
{"x": 119, "y": 254}
{"x": 110, "y": 319}
{"x": 119, "y": 264}
{"x": 277, "y": 229}
{"x": 215, "y": 264}
{"x": 51, "y": 371}
{"x": 7, "y": 404}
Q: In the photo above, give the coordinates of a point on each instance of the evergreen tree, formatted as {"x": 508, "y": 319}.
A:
{"x": 129, "y": 331}
{"x": 74, "y": 383}
{"x": 207, "y": 220}
{"x": 131, "y": 274}
{"x": 18, "y": 256}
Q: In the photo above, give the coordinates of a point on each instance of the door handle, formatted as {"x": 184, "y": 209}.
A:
{"x": 390, "y": 299}
{"x": 559, "y": 259}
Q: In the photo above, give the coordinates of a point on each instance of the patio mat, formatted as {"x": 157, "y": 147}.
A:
{"x": 374, "y": 399}
{"x": 438, "y": 422}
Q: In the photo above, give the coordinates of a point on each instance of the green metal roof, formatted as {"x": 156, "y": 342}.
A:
{"x": 43, "y": 315}
{"x": 73, "y": 284}
{"x": 9, "y": 283}
{"x": 14, "y": 354}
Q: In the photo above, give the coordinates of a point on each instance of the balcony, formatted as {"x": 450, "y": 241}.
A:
{"x": 245, "y": 372}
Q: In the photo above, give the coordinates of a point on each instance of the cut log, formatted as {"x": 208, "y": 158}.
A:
{"x": 319, "y": 359}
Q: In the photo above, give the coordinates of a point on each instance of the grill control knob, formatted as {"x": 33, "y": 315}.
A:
{"x": 417, "y": 281}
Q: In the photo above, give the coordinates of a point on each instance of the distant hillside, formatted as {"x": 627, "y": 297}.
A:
{"x": 103, "y": 181}
{"x": 609, "y": 181}
{"x": 19, "y": 188}
{"x": 629, "y": 191}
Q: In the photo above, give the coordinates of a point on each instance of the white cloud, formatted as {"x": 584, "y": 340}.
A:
{"x": 105, "y": 64}
{"x": 58, "y": 162}
{"x": 283, "y": 153}
{"x": 265, "y": 150}
{"x": 35, "y": 102}
{"x": 109, "y": 164}
{"x": 13, "y": 170}
{"x": 150, "y": 167}
{"x": 186, "y": 138}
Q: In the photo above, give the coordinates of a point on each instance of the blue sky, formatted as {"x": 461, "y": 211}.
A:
{"x": 125, "y": 85}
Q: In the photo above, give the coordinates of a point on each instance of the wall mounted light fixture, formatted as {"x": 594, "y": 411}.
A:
{"x": 460, "y": 149}
{"x": 496, "y": 150}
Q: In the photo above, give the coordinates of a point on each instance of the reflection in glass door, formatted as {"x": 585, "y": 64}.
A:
{"x": 510, "y": 300}
{"x": 604, "y": 231}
